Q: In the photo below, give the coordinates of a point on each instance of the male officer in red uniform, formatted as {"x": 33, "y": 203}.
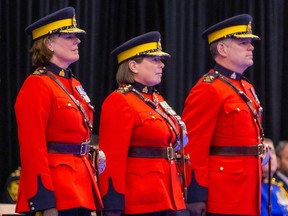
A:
{"x": 223, "y": 118}
{"x": 54, "y": 119}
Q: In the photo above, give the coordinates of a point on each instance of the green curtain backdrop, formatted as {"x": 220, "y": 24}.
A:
{"x": 110, "y": 22}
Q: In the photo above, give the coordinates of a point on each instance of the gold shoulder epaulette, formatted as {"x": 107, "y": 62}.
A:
{"x": 40, "y": 71}
{"x": 210, "y": 77}
{"x": 124, "y": 89}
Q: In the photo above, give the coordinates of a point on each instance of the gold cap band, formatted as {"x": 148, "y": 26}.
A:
{"x": 152, "y": 48}
{"x": 238, "y": 31}
{"x": 50, "y": 27}
{"x": 134, "y": 51}
{"x": 226, "y": 31}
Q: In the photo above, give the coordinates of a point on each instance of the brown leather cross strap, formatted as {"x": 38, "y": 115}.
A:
{"x": 77, "y": 103}
{"x": 256, "y": 150}
{"x": 248, "y": 102}
{"x": 155, "y": 107}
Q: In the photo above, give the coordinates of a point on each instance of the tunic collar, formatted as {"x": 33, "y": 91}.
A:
{"x": 143, "y": 88}
{"x": 67, "y": 73}
{"x": 228, "y": 73}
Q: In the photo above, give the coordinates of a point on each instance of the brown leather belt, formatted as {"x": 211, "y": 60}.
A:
{"x": 152, "y": 152}
{"x": 257, "y": 150}
{"x": 69, "y": 148}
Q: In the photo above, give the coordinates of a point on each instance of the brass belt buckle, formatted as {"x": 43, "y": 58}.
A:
{"x": 260, "y": 150}
{"x": 84, "y": 148}
{"x": 170, "y": 153}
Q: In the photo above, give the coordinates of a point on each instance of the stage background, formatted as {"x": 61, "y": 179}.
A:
{"x": 110, "y": 22}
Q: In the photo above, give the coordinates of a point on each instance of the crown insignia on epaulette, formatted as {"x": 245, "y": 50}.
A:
{"x": 124, "y": 89}
{"x": 210, "y": 77}
{"x": 40, "y": 71}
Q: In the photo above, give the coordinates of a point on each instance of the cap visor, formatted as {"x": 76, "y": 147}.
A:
{"x": 159, "y": 53}
{"x": 72, "y": 30}
{"x": 254, "y": 37}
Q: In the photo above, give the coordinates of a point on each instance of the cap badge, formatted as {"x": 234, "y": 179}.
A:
{"x": 249, "y": 28}
{"x": 159, "y": 45}
{"x": 74, "y": 22}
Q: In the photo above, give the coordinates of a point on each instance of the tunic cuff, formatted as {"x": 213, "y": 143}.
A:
{"x": 196, "y": 192}
{"x": 113, "y": 200}
{"x": 43, "y": 199}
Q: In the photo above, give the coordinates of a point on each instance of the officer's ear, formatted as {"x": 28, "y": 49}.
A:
{"x": 223, "y": 45}
{"x": 221, "y": 48}
{"x": 49, "y": 44}
{"x": 132, "y": 64}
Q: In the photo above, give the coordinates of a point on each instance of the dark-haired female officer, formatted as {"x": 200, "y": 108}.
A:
{"x": 139, "y": 133}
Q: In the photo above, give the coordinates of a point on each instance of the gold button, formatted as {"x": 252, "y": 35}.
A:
{"x": 153, "y": 117}
{"x": 69, "y": 104}
{"x": 221, "y": 168}
{"x": 238, "y": 109}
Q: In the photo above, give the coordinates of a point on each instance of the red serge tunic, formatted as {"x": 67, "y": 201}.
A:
{"x": 129, "y": 184}
{"x": 45, "y": 113}
{"x": 215, "y": 115}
